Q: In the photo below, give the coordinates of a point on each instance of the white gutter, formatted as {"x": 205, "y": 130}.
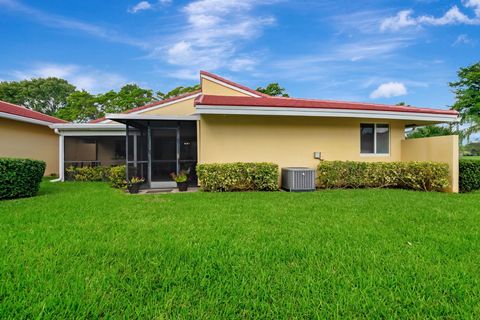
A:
{"x": 87, "y": 126}
{"x": 90, "y": 129}
{"x": 316, "y": 112}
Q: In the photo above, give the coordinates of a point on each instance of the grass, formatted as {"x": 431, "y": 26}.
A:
{"x": 85, "y": 250}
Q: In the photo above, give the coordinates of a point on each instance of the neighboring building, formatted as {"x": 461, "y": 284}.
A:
{"x": 26, "y": 134}
{"x": 227, "y": 122}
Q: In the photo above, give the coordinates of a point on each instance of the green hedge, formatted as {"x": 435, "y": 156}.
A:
{"x": 20, "y": 178}
{"x": 238, "y": 176}
{"x": 115, "y": 175}
{"x": 469, "y": 175}
{"x": 426, "y": 176}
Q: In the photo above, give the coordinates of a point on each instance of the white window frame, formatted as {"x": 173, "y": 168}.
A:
{"x": 375, "y": 154}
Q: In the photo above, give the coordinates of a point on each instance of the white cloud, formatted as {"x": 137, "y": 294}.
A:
{"x": 146, "y": 5}
{"x": 82, "y": 77}
{"x": 141, "y": 6}
{"x": 240, "y": 64}
{"x": 405, "y": 18}
{"x": 184, "y": 74}
{"x": 388, "y": 90}
{"x": 463, "y": 39}
{"x": 61, "y": 22}
{"x": 401, "y": 20}
{"x": 214, "y": 34}
{"x": 475, "y": 4}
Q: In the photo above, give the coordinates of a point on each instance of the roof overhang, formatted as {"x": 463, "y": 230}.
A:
{"x": 89, "y": 129}
{"x": 23, "y": 119}
{"x": 324, "y": 112}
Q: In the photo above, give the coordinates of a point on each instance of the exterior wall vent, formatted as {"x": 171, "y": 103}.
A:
{"x": 298, "y": 179}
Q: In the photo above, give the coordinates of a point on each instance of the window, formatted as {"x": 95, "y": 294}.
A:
{"x": 374, "y": 138}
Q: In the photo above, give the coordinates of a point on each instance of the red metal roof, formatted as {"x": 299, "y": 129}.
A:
{"x": 20, "y": 111}
{"x": 214, "y": 76}
{"x": 310, "y": 103}
{"x": 153, "y": 104}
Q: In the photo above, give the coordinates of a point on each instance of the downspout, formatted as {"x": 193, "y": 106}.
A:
{"x": 60, "y": 157}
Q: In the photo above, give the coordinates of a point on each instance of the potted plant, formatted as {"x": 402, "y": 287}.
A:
{"x": 181, "y": 180}
{"x": 133, "y": 185}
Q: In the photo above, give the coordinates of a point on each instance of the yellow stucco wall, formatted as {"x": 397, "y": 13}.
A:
{"x": 215, "y": 89}
{"x": 288, "y": 141}
{"x": 438, "y": 149}
{"x": 182, "y": 108}
{"x": 187, "y": 107}
{"x": 24, "y": 140}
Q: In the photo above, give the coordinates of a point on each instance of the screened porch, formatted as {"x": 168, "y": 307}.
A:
{"x": 157, "y": 148}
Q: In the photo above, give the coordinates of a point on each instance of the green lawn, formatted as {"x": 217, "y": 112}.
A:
{"x": 471, "y": 157}
{"x": 86, "y": 250}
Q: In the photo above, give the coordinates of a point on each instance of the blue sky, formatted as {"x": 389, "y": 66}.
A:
{"x": 373, "y": 51}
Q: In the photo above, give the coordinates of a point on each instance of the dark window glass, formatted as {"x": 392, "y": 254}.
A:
{"x": 367, "y": 138}
{"x": 382, "y": 132}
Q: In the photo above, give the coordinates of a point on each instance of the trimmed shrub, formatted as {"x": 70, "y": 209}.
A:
{"x": 238, "y": 176}
{"x": 115, "y": 175}
{"x": 87, "y": 173}
{"x": 20, "y": 178}
{"x": 426, "y": 176}
{"x": 469, "y": 175}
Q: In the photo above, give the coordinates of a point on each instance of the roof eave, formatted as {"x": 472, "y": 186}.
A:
{"x": 11, "y": 116}
{"x": 324, "y": 112}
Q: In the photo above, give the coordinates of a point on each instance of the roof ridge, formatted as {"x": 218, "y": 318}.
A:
{"x": 232, "y": 83}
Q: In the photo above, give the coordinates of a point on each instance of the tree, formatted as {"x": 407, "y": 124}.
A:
{"x": 430, "y": 131}
{"x": 130, "y": 96}
{"x": 274, "y": 90}
{"x": 47, "y": 95}
{"x": 177, "y": 91}
{"x": 81, "y": 107}
{"x": 467, "y": 94}
{"x": 472, "y": 149}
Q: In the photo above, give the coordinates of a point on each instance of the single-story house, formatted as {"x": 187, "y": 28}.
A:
{"x": 26, "y": 134}
{"x": 227, "y": 122}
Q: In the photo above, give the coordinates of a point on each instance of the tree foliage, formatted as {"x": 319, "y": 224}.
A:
{"x": 130, "y": 96}
{"x": 81, "y": 107}
{"x": 177, "y": 91}
{"x": 46, "y": 95}
{"x": 430, "y": 131}
{"x": 471, "y": 149}
{"x": 467, "y": 94}
{"x": 274, "y": 90}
